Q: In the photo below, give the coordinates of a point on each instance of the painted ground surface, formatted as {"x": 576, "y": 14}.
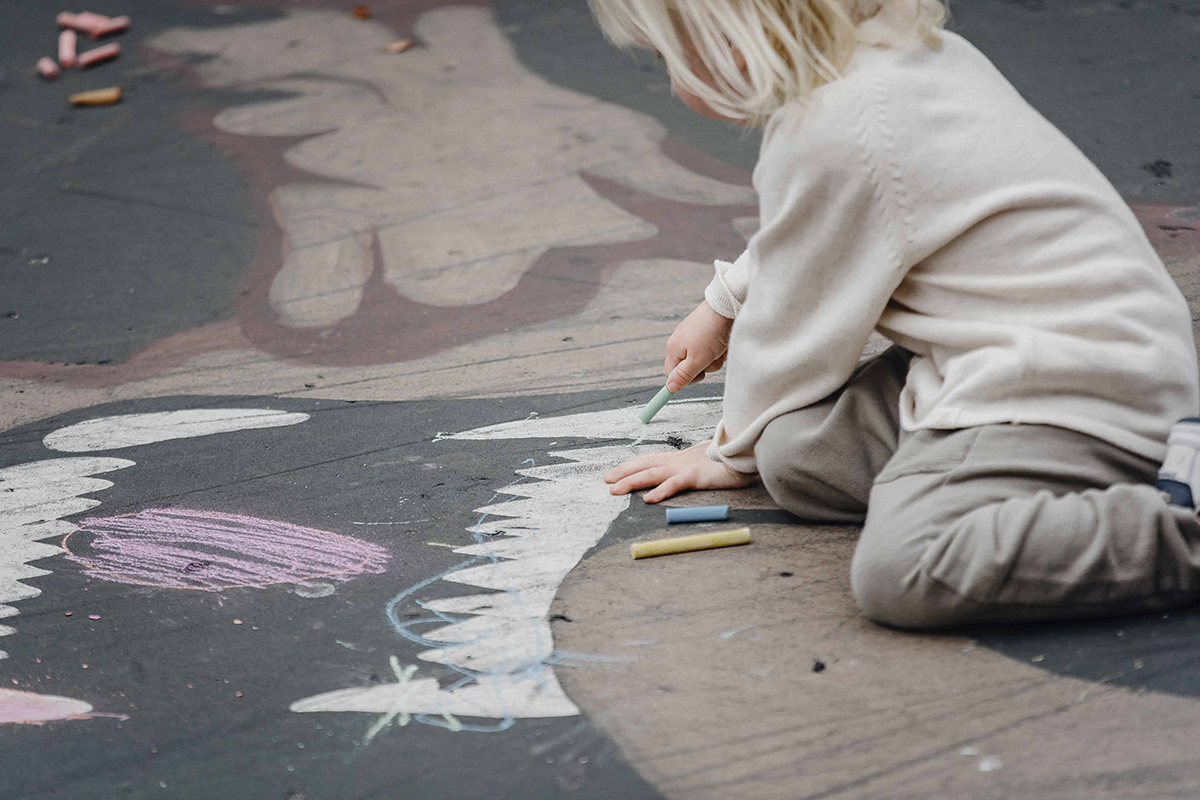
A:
{"x": 311, "y": 356}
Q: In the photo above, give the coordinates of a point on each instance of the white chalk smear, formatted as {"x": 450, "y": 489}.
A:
{"x": 525, "y": 546}
{"x": 691, "y": 419}
{"x": 33, "y": 709}
{"x": 989, "y": 764}
{"x": 313, "y": 589}
{"x": 729, "y": 634}
{"x": 34, "y": 498}
{"x": 131, "y": 430}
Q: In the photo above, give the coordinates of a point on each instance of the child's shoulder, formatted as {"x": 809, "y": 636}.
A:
{"x": 915, "y": 91}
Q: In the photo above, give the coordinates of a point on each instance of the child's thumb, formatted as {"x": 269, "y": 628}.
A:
{"x": 682, "y": 375}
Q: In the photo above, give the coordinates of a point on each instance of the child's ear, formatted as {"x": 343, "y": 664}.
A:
{"x": 739, "y": 60}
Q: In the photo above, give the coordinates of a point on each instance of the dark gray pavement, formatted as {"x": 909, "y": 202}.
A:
{"x": 144, "y": 252}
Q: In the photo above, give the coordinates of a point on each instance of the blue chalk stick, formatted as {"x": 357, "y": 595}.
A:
{"x": 697, "y": 514}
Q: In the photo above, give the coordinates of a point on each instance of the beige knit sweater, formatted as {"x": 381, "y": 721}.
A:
{"x": 921, "y": 196}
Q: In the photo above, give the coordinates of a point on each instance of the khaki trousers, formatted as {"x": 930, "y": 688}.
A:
{"x": 985, "y": 524}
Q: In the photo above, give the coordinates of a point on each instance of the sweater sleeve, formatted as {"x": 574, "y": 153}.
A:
{"x": 727, "y": 291}
{"x": 830, "y": 253}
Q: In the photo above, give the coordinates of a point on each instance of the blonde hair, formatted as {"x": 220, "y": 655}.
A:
{"x": 790, "y": 47}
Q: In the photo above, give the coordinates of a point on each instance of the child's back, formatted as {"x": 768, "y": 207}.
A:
{"x": 922, "y": 195}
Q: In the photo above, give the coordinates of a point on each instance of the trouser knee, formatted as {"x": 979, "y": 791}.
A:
{"x": 892, "y": 587}
{"x": 800, "y": 470}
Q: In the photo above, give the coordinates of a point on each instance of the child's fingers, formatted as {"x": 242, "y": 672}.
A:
{"x": 641, "y": 480}
{"x": 670, "y": 363}
{"x": 672, "y": 486}
{"x": 636, "y": 464}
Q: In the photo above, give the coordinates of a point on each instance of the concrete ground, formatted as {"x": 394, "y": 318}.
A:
{"x": 311, "y": 357}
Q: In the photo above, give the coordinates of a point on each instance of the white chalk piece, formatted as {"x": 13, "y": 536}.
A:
{"x": 697, "y": 514}
{"x": 686, "y": 544}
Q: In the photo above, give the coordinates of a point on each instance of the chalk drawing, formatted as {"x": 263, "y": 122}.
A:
{"x": 33, "y": 709}
{"x": 33, "y": 500}
{"x": 501, "y": 643}
{"x": 129, "y": 430}
{"x": 35, "y": 497}
{"x": 181, "y": 548}
{"x": 561, "y": 185}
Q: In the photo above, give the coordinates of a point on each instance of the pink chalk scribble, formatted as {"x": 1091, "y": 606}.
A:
{"x": 181, "y": 548}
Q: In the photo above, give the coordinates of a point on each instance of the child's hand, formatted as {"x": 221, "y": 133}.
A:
{"x": 697, "y": 345}
{"x": 674, "y": 471}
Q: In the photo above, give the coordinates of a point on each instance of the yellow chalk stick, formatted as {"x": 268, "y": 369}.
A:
{"x": 685, "y": 544}
{"x": 97, "y": 97}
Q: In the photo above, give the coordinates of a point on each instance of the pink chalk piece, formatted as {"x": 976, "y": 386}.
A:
{"x": 66, "y": 48}
{"x": 94, "y": 25}
{"x": 109, "y": 26}
{"x": 209, "y": 551}
{"x": 89, "y": 18}
{"x": 98, "y": 54}
{"x": 29, "y": 708}
{"x": 93, "y": 616}
{"x": 47, "y": 68}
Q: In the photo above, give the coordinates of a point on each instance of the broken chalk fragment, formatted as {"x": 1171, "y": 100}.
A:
{"x": 697, "y": 514}
{"x": 98, "y": 54}
{"x": 66, "y": 48}
{"x": 97, "y": 97}
{"x": 398, "y": 46}
{"x": 686, "y": 544}
{"x": 361, "y": 12}
{"x": 655, "y": 405}
{"x": 47, "y": 68}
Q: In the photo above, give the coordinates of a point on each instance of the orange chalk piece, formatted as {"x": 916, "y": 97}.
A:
{"x": 398, "y": 46}
{"x": 66, "y": 48}
{"x": 97, "y": 54}
{"x": 47, "y": 68}
{"x": 97, "y": 97}
{"x": 361, "y": 12}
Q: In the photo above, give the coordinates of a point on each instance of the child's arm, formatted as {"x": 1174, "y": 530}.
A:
{"x": 674, "y": 471}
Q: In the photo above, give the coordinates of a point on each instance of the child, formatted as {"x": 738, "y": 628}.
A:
{"x": 1002, "y": 456}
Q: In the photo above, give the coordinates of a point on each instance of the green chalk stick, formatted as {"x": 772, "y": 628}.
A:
{"x": 655, "y": 405}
